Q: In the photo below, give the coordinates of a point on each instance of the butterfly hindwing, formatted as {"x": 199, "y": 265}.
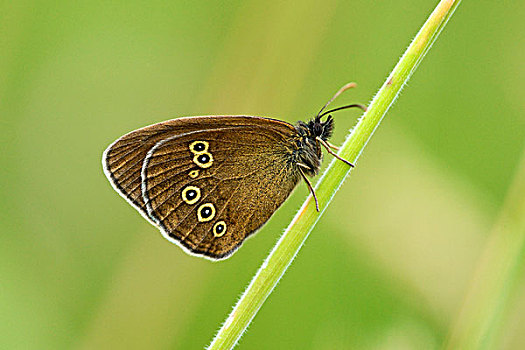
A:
{"x": 208, "y": 190}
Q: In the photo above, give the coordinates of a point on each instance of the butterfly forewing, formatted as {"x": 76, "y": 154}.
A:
{"x": 230, "y": 177}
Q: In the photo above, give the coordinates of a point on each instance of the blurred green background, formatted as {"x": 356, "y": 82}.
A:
{"x": 389, "y": 264}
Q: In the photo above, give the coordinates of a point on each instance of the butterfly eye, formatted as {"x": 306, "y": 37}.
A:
{"x": 204, "y": 160}
{"x": 206, "y": 212}
{"x": 318, "y": 129}
{"x": 191, "y": 194}
{"x": 219, "y": 229}
{"x": 198, "y": 147}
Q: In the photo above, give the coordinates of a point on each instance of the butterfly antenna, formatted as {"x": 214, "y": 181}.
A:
{"x": 355, "y": 105}
{"x": 341, "y": 90}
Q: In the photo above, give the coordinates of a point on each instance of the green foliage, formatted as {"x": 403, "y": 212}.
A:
{"x": 389, "y": 263}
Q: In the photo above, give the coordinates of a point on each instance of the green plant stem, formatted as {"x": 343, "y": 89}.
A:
{"x": 480, "y": 319}
{"x": 293, "y": 238}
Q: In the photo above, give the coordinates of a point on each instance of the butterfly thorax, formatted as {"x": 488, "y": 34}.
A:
{"x": 308, "y": 153}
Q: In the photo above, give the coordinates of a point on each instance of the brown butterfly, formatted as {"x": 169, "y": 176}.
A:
{"x": 210, "y": 182}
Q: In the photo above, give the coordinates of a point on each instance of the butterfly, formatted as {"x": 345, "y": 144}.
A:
{"x": 210, "y": 182}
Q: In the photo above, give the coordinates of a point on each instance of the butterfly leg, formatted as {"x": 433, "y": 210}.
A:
{"x": 309, "y": 184}
{"x": 327, "y": 146}
{"x": 334, "y": 147}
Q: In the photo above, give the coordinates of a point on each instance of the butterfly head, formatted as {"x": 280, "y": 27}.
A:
{"x": 321, "y": 129}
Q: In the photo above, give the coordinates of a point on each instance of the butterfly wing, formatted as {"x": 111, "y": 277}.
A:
{"x": 209, "y": 185}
